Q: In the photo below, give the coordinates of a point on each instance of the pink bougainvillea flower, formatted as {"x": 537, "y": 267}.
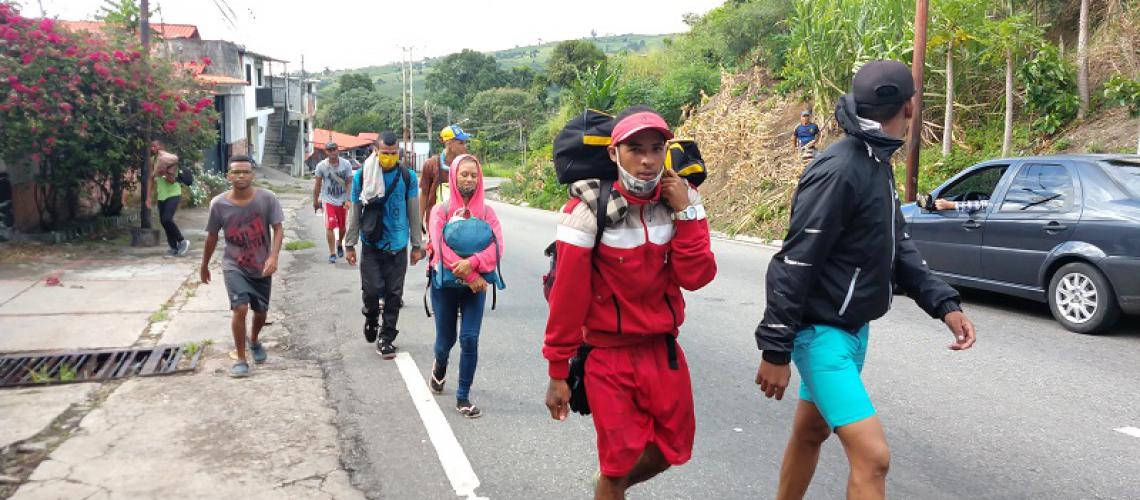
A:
{"x": 206, "y": 60}
{"x": 170, "y": 126}
{"x": 47, "y": 24}
{"x": 65, "y": 106}
{"x": 28, "y": 59}
{"x": 182, "y": 106}
{"x": 13, "y": 79}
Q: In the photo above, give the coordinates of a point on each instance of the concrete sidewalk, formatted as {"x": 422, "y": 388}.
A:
{"x": 196, "y": 435}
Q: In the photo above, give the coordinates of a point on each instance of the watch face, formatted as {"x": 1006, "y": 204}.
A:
{"x": 691, "y": 213}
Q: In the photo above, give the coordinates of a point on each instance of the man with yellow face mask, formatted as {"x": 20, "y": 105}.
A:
{"x": 384, "y": 217}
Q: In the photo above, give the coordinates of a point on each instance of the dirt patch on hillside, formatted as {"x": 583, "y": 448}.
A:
{"x": 745, "y": 133}
{"x": 1106, "y": 131}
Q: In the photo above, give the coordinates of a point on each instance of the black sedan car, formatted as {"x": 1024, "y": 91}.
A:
{"x": 1058, "y": 229}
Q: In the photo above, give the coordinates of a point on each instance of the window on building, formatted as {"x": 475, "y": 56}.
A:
{"x": 260, "y": 79}
{"x": 248, "y": 74}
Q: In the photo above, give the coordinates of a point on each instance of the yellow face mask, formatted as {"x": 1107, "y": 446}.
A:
{"x": 389, "y": 160}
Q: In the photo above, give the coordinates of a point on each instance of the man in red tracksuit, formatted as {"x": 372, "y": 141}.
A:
{"x": 624, "y": 298}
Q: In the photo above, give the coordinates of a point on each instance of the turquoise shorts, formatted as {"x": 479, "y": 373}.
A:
{"x": 829, "y": 361}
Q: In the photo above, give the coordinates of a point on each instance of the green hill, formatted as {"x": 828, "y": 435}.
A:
{"x": 387, "y": 77}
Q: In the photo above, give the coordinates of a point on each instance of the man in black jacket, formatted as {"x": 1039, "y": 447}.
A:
{"x": 847, "y": 244}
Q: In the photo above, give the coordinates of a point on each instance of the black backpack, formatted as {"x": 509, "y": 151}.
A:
{"x": 684, "y": 157}
{"x": 551, "y": 251}
{"x": 186, "y": 176}
{"x": 580, "y": 149}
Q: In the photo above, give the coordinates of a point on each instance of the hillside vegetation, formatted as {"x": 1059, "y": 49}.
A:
{"x": 1001, "y": 79}
{"x": 387, "y": 77}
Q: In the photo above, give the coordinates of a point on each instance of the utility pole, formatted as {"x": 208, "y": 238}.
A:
{"x": 918, "y": 63}
{"x": 403, "y": 99}
{"x": 144, "y": 173}
{"x": 522, "y": 144}
{"x": 412, "y": 108}
{"x": 427, "y": 114}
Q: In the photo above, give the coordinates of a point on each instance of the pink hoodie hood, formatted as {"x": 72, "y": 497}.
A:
{"x": 457, "y": 203}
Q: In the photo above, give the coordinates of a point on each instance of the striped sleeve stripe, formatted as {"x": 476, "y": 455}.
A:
{"x": 576, "y": 237}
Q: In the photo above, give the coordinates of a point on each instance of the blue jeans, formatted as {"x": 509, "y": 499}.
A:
{"x": 447, "y": 303}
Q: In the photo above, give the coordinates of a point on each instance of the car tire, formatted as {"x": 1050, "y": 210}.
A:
{"x": 1082, "y": 299}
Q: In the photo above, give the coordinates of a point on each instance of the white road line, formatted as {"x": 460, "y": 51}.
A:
{"x": 451, "y": 456}
{"x": 1131, "y": 431}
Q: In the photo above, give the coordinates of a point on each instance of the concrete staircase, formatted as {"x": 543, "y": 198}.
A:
{"x": 280, "y": 152}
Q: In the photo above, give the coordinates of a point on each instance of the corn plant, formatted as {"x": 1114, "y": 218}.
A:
{"x": 828, "y": 40}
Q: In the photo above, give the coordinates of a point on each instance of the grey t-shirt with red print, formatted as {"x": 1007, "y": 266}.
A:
{"x": 247, "y": 230}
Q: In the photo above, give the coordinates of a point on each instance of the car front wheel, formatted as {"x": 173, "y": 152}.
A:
{"x": 1081, "y": 299}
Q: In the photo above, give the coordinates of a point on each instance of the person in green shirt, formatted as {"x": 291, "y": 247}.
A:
{"x": 165, "y": 189}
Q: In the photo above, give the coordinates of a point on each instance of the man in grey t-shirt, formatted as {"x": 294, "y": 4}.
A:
{"x": 330, "y": 190}
{"x": 245, "y": 214}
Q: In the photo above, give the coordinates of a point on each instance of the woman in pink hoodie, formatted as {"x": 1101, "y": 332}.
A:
{"x": 466, "y": 202}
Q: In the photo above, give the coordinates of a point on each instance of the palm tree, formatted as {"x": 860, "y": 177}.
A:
{"x": 1082, "y": 60}
{"x": 1005, "y": 40}
{"x": 954, "y": 23}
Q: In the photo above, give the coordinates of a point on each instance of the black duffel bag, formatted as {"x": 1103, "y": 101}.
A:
{"x": 580, "y": 150}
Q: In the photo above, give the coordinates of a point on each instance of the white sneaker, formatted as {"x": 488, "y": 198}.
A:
{"x": 183, "y": 247}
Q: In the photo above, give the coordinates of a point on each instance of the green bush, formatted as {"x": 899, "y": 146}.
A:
{"x": 536, "y": 184}
{"x": 206, "y": 186}
{"x": 1050, "y": 90}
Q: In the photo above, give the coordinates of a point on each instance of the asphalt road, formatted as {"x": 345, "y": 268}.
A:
{"x": 1031, "y": 412}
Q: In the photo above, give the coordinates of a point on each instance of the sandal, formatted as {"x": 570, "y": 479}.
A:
{"x": 436, "y": 383}
{"x": 465, "y": 408}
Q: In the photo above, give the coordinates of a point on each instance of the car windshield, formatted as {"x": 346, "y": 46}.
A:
{"x": 1127, "y": 173}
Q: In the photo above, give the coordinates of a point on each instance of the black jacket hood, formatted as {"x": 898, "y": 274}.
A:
{"x": 883, "y": 145}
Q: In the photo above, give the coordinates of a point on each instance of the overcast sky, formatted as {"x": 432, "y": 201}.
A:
{"x": 354, "y": 33}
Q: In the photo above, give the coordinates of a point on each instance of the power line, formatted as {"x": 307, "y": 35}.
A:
{"x": 225, "y": 17}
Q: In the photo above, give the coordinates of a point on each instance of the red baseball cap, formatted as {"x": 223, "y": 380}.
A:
{"x": 637, "y": 122}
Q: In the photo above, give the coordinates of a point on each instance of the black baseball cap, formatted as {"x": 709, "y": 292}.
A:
{"x": 882, "y": 82}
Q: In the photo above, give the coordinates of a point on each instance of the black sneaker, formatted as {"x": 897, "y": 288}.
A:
{"x": 386, "y": 350}
{"x": 371, "y": 331}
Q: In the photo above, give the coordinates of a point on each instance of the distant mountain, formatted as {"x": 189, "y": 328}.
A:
{"x": 387, "y": 77}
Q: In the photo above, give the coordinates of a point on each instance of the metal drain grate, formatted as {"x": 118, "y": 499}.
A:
{"x": 19, "y": 370}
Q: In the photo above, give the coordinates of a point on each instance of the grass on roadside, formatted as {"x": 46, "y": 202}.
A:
{"x": 159, "y": 316}
{"x": 499, "y": 169}
{"x": 296, "y": 245}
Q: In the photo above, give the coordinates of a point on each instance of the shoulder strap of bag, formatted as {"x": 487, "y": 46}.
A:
{"x": 600, "y": 212}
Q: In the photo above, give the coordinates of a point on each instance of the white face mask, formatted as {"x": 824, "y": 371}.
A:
{"x": 636, "y": 186}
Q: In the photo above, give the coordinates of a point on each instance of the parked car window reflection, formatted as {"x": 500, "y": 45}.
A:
{"x": 1039, "y": 188}
{"x": 1127, "y": 173}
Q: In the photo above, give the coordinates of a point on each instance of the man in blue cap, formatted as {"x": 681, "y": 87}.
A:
{"x": 434, "y": 173}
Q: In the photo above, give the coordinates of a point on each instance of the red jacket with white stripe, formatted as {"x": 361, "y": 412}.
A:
{"x": 631, "y": 287}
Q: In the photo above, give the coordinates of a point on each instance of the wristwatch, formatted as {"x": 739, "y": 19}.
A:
{"x": 689, "y": 213}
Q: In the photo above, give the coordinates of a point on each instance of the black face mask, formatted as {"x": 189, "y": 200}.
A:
{"x": 467, "y": 192}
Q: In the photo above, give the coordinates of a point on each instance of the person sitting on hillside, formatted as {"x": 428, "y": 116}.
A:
{"x": 806, "y": 136}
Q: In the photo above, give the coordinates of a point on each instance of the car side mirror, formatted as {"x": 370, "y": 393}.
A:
{"x": 925, "y": 201}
